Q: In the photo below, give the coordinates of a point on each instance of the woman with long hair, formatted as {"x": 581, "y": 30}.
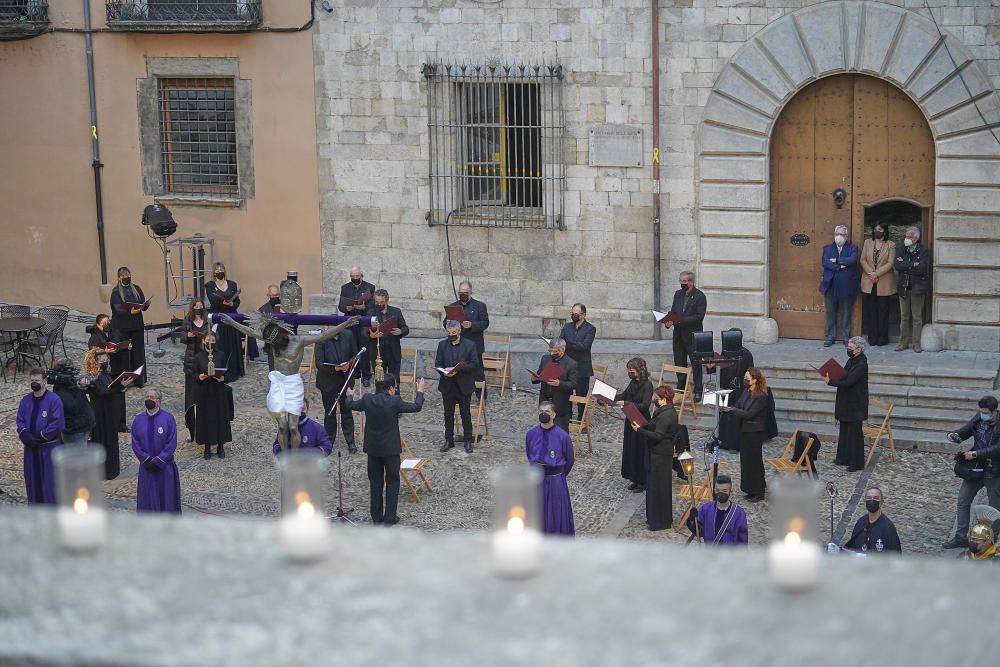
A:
{"x": 638, "y": 392}
{"x": 751, "y": 408}
{"x": 659, "y": 435}
{"x": 213, "y": 409}
{"x": 195, "y": 327}
{"x": 224, "y": 297}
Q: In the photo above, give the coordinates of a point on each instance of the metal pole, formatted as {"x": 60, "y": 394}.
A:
{"x": 655, "y": 53}
{"x": 95, "y": 143}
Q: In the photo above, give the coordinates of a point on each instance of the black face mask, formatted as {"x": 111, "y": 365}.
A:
{"x": 721, "y": 497}
{"x": 220, "y": 275}
{"x": 356, "y": 282}
{"x": 105, "y": 366}
{"x": 126, "y": 282}
{"x": 544, "y": 418}
{"x": 872, "y": 506}
{"x": 36, "y": 386}
{"x": 200, "y": 312}
{"x": 274, "y": 301}
{"x": 684, "y": 288}
{"x": 878, "y": 234}
{"x": 150, "y": 404}
{"x": 574, "y": 317}
{"x": 557, "y": 356}
{"x": 452, "y": 336}
{"x": 464, "y": 298}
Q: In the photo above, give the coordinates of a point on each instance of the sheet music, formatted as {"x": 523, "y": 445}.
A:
{"x": 409, "y": 464}
{"x": 708, "y": 398}
{"x": 604, "y": 390}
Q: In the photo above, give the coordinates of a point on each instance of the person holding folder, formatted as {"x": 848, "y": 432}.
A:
{"x": 457, "y": 360}
{"x": 557, "y": 389}
{"x": 474, "y": 318}
{"x": 579, "y": 335}
{"x": 639, "y": 393}
{"x": 333, "y": 363}
{"x": 686, "y": 316}
{"x": 127, "y": 305}
{"x": 388, "y": 327}
{"x": 851, "y": 408}
{"x": 751, "y": 408}
{"x": 659, "y": 435}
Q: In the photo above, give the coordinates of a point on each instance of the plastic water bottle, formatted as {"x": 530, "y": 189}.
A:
{"x": 513, "y": 387}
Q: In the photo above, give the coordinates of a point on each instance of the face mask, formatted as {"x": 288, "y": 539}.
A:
{"x": 684, "y": 288}
{"x": 220, "y": 275}
{"x": 126, "y": 282}
{"x": 555, "y": 355}
{"x": 985, "y": 416}
{"x": 200, "y": 311}
{"x": 355, "y": 282}
{"x": 274, "y": 301}
{"x": 36, "y": 386}
{"x": 839, "y": 240}
{"x": 872, "y": 506}
{"x": 105, "y": 366}
{"x": 907, "y": 242}
{"x": 544, "y": 418}
{"x": 633, "y": 375}
{"x": 879, "y": 234}
{"x": 746, "y": 382}
{"x": 464, "y": 298}
{"x": 721, "y": 497}
{"x": 452, "y": 336}
{"x": 150, "y": 404}
{"x": 574, "y": 317}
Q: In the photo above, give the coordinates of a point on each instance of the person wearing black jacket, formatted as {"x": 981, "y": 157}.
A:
{"x": 851, "y": 408}
{"x": 213, "y": 400}
{"x": 690, "y": 305}
{"x": 79, "y": 417}
{"x": 659, "y": 434}
{"x": 382, "y": 441}
{"x": 358, "y": 288}
{"x": 579, "y": 336}
{"x": 109, "y": 411}
{"x": 456, "y": 387}
{"x": 273, "y": 305}
{"x": 475, "y": 323}
{"x": 913, "y": 264}
{"x": 391, "y": 349}
{"x": 223, "y": 296}
{"x": 558, "y": 391}
{"x": 195, "y": 326}
{"x": 751, "y": 408}
{"x": 638, "y": 392}
{"x": 333, "y": 360}
{"x": 985, "y": 433}
{"x": 102, "y": 335}
{"x": 127, "y": 319}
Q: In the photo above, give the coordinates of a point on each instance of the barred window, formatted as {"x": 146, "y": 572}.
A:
{"x": 198, "y": 136}
{"x": 495, "y": 145}
{"x": 22, "y": 11}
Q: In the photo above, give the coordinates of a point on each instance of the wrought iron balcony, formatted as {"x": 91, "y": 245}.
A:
{"x": 183, "y": 15}
{"x": 23, "y": 17}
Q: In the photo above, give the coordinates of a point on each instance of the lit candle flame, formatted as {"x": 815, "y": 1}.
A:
{"x": 306, "y": 510}
{"x": 80, "y": 506}
{"x": 515, "y": 525}
{"x": 792, "y": 539}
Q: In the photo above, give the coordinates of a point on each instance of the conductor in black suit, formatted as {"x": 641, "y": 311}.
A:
{"x": 690, "y": 304}
{"x": 558, "y": 391}
{"x": 333, "y": 360}
{"x": 355, "y": 289}
{"x": 382, "y": 443}
{"x": 457, "y": 386}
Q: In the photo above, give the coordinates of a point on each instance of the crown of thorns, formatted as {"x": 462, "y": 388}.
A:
{"x": 270, "y": 327}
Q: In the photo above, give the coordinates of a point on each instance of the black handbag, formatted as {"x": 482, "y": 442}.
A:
{"x": 969, "y": 470}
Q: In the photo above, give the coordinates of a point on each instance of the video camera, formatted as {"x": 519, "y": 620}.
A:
{"x": 63, "y": 374}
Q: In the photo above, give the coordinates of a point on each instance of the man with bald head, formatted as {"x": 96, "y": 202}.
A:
{"x": 358, "y": 290}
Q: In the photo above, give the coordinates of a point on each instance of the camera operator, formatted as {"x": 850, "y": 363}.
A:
{"x": 39, "y": 423}
{"x": 77, "y": 413}
{"x": 978, "y": 467}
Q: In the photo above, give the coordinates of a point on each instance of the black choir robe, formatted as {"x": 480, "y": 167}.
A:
{"x": 120, "y": 362}
{"x": 559, "y": 395}
{"x": 230, "y": 341}
{"x": 131, "y": 326}
{"x": 392, "y": 350}
{"x": 879, "y": 537}
{"x": 109, "y": 414}
{"x": 213, "y": 404}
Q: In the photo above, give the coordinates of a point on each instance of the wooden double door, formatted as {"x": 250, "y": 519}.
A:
{"x": 850, "y": 132}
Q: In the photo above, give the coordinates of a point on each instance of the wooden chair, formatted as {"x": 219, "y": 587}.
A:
{"x": 496, "y": 362}
{"x": 878, "y": 432}
{"x": 601, "y": 373}
{"x": 413, "y": 465}
{"x": 481, "y": 420}
{"x": 582, "y": 425}
{"x": 686, "y": 395}
{"x": 785, "y": 462}
{"x": 409, "y": 377}
{"x": 702, "y": 494}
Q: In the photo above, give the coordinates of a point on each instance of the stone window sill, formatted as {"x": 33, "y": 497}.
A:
{"x": 199, "y": 200}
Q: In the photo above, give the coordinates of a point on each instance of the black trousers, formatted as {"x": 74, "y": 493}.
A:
{"x": 383, "y": 473}
{"x": 683, "y": 353}
{"x": 330, "y": 420}
{"x": 137, "y": 353}
{"x": 464, "y": 402}
{"x": 752, "y": 463}
{"x": 875, "y": 317}
{"x": 362, "y": 340}
{"x": 582, "y": 387}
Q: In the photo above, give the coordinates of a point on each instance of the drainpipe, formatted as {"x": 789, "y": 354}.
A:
{"x": 655, "y": 54}
{"x": 95, "y": 143}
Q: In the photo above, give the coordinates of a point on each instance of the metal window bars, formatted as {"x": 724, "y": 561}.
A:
{"x": 198, "y": 136}
{"x": 496, "y": 144}
{"x": 244, "y": 12}
{"x": 24, "y": 12}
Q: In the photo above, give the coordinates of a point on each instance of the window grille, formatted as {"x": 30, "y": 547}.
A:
{"x": 24, "y": 11}
{"x": 496, "y": 145}
{"x": 198, "y": 136}
{"x": 193, "y": 11}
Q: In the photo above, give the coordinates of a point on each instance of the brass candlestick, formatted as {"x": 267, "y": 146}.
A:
{"x": 379, "y": 371}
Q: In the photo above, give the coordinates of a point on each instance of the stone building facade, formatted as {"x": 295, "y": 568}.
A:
{"x": 727, "y": 72}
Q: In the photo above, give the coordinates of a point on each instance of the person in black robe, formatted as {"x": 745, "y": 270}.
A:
{"x": 751, "y": 408}
{"x": 128, "y": 320}
{"x": 874, "y": 533}
{"x": 638, "y": 392}
{"x": 559, "y": 390}
{"x": 456, "y": 387}
{"x": 851, "y": 408}
{"x": 212, "y": 401}
{"x": 224, "y": 297}
{"x": 579, "y": 335}
{"x": 109, "y": 407}
{"x": 659, "y": 435}
{"x": 475, "y": 323}
{"x": 272, "y": 305}
{"x": 689, "y": 305}
{"x": 386, "y": 343}
{"x": 731, "y": 377}
{"x": 102, "y": 336}
{"x": 358, "y": 289}
{"x": 333, "y": 359}
{"x": 195, "y": 327}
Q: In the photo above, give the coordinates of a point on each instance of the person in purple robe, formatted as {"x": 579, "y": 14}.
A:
{"x": 313, "y": 435}
{"x": 719, "y": 520}
{"x": 154, "y": 439}
{"x": 40, "y": 421}
{"x": 549, "y": 446}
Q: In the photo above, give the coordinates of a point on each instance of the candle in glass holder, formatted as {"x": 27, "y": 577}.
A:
{"x": 305, "y": 531}
{"x": 516, "y": 541}
{"x": 80, "y": 515}
{"x": 794, "y": 562}
{"x": 794, "y": 553}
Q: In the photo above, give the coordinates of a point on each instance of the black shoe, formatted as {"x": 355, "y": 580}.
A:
{"x": 124, "y": 429}
{"x": 633, "y": 486}
{"x": 208, "y": 452}
{"x": 352, "y": 448}
{"x": 956, "y": 543}
{"x": 366, "y": 382}
{"x": 755, "y": 499}
{"x": 446, "y": 446}
{"x": 681, "y": 476}
{"x": 828, "y": 343}
{"x": 390, "y": 521}
{"x": 639, "y": 489}
{"x": 853, "y": 469}
{"x": 221, "y": 451}
{"x": 697, "y": 396}
{"x": 468, "y": 447}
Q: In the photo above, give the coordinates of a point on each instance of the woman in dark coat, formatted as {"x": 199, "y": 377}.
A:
{"x": 751, "y": 408}
{"x": 103, "y": 337}
{"x": 211, "y": 400}
{"x": 852, "y": 406}
{"x": 638, "y": 392}
{"x": 224, "y": 297}
{"x": 659, "y": 435}
{"x": 109, "y": 405}
{"x": 196, "y": 326}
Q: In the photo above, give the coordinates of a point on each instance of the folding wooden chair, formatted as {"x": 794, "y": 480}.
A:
{"x": 686, "y": 394}
{"x": 478, "y": 410}
{"x": 702, "y": 494}
{"x": 496, "y": 362}
{"x": 785, "y": 462}
{"x": 881, "y": 431}
{"x": 601, "y": 373}
{"x": 582, "y": 425}
{"x": 413, "y": 465}
{"x": 409, "y": 377}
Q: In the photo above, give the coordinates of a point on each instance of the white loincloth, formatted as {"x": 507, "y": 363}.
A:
{"x": 286, "y": 393}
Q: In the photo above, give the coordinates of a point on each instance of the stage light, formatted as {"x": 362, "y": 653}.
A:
{"x": 159, "y": 219}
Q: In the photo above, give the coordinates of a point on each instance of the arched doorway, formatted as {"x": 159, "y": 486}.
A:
{"x": 847, "y": 132}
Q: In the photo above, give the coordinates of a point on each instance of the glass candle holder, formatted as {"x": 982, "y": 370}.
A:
{"x": 517, "y": 520}
{"x": 305, "y": 530}
{"x": 794, "y": 553}
{"x": 80, "y": 514}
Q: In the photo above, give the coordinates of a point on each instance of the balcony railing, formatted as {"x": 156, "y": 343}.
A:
{"x": 23, "y": 17}
{"x": 183, "y": 15}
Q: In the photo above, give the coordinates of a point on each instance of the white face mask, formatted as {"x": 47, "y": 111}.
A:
{"x": 907, "y": 242}
{"x": 839, "y": 239}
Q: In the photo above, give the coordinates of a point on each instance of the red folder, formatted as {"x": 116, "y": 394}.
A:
{"x": 111, "y": 348}
{"x": 456, "y": 313}
{"x": 129, "y": 304}
{"x": 347, "y": 301}
{"x": 833, "y": 369}
{"x": 632, "y": 414}
{"x": 135, "y": 375}
{"x": 388, "y": 325}
{"x": 552, "y": 371}
{"x": 454, "y": 369}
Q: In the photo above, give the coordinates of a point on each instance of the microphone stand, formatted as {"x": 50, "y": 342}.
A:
{"x": 342, "y": 515}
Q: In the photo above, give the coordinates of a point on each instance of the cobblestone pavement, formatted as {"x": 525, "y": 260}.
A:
{"x": 920, "y": 487}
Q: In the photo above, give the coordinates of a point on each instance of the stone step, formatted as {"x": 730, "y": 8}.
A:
{"x": 905, "y": 417}
{"x": 946, "y": 398}
{"x": 925, "y": 376}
